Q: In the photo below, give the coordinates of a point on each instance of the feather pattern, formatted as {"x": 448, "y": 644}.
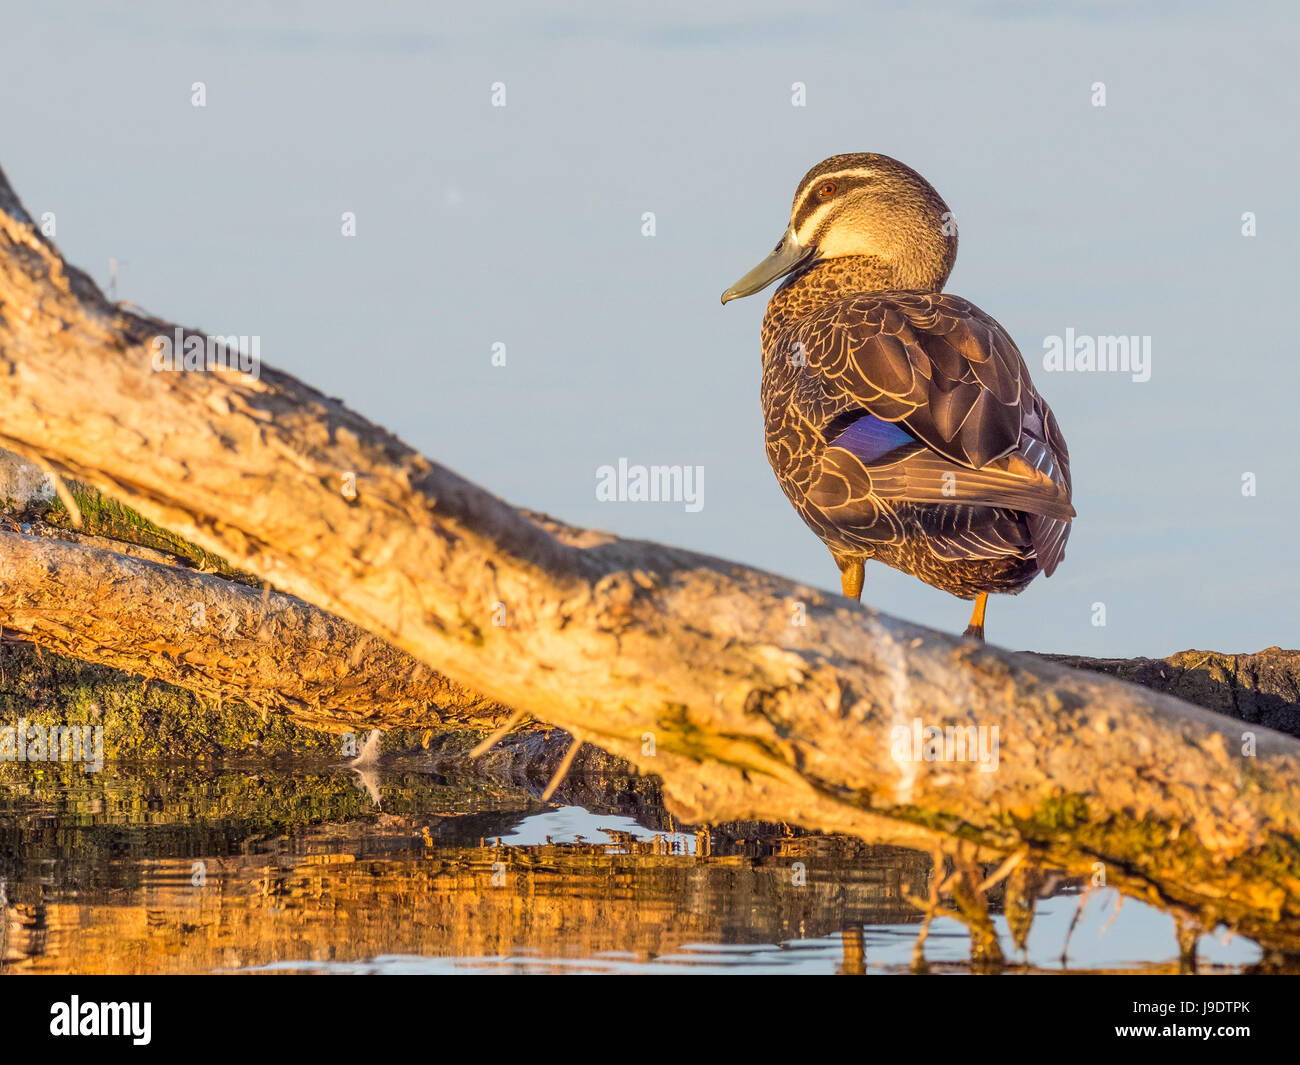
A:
{"x": 903, "y": 426}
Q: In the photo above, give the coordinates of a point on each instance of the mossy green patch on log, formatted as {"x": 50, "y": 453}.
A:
{"x": 141, "y": 720}
{"x": 102, "y": 516}
{"x": 151, "y": 720}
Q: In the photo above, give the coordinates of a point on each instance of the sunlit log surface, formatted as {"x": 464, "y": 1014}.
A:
{"x": 689, "y": 666}
{"x": 137, "y": 612}
{"x": 222, "y": 640}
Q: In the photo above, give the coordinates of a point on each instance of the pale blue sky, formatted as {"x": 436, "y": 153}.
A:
{"x": 523, "y": 225}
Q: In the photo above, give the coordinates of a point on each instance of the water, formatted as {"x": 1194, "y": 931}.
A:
{"x": 177, "y": 869}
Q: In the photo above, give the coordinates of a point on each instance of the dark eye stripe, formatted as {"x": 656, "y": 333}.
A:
{"x": 812, "y": 200}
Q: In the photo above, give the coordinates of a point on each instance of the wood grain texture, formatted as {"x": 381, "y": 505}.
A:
{"x": 221, "y": 639}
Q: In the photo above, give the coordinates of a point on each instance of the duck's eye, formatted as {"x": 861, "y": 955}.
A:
{"x": 827, "y": 190}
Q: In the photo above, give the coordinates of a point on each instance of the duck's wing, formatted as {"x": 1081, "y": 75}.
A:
{"x": 923, "y": 398}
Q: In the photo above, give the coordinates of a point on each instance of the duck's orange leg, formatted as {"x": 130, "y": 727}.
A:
{"x": 851, "y": 578}
{"x": 976, "y": 626}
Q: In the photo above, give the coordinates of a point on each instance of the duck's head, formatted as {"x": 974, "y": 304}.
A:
{"x": 863, "y": 205}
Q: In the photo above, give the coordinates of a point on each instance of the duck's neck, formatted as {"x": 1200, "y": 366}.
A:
{"x": 832, "y": 279}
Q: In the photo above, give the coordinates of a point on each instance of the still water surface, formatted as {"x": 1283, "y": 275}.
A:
{"x": 180, "y": 869}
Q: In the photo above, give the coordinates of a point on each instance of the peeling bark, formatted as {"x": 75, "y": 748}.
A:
{"x": 688, "y": 666}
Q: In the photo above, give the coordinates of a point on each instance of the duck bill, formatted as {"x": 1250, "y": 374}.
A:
{"x": 784, "y": 258}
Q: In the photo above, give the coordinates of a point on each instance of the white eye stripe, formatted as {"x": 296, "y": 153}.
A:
{"x": 813, "y": 222}
{"x": 837, "y": 177}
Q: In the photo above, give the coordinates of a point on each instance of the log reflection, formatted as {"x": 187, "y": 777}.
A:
{"x": 178, "y": 870}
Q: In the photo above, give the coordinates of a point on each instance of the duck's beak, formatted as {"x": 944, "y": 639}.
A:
{"x": 784, "y": 258}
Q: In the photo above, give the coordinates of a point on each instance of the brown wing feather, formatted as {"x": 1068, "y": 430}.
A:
{"x": 950, "y": 374}
{"x": 934, "y": 362}
{"x": 1011, "y": 481}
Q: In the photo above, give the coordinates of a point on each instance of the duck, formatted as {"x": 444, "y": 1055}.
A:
{"x": 900, "y": 420}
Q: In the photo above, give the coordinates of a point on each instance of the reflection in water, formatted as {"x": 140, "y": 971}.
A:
{"x": 178, "y": 869}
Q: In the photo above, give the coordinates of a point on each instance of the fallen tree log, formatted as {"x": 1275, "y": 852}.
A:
{"x": 127, "y": 607}
{"x": 1262, "y": 688}
{"x": 691, "y": 667}
{"x": 222, "y": 640}
{"x": 81, "y": 597}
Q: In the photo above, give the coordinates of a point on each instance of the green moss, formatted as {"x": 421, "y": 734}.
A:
{"x": 675, "y": 731}
{"x": 102, "y": 516}
{"x": 469, "y": 629}
{"x": 1064, "y": 813}
{"x": 142, "y": 720}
